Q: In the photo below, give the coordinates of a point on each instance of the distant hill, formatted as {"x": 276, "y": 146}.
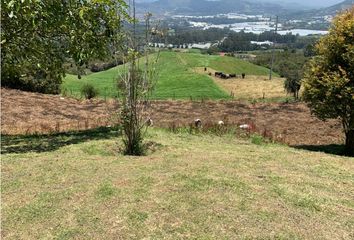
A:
{"x": 309, "y": 15}
{"x": 338, "y": 7}
{"x": 296, "y": 4}
{"x": 205, "y": 7}
{"x": 332, "y": 10}
{"x": 212, "y": 7}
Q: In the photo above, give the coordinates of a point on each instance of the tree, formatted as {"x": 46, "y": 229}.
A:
{"x": 37, "y": 37}
{"x": 329, "y": 79}
{"x": 293, "y": 83}
{"x": 309, "y": 50}
{"x": 293, "y": 74}
{"x": 135, "y": 85}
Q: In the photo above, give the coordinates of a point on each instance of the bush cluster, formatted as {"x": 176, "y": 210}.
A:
{"x": 89, "y": 91}
{"x": 36, "y": 82}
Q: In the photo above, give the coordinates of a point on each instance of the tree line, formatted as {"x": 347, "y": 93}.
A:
{"x": 230, "y": 41}
{"x": 183, "y": 36}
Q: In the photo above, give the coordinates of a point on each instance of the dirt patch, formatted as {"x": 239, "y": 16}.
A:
{"x": 292, "y": 123}
{"x": 24, "y": 112}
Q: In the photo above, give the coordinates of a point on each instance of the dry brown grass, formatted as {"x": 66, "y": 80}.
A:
{"x": 24, "y": 112}
{"x": 28, "y": 113}
{"x": 252, "y": 87}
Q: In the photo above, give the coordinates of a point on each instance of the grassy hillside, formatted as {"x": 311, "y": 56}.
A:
{"x": 199, "y": 187}
{"x": 177, "y": 79}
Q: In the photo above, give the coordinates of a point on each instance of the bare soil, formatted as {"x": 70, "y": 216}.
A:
{"x": 291, "y": 123}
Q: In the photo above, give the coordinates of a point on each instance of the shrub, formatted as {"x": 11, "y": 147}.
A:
{"x": 257, "y": 139}
{"x": 89, "y": 91}
{"x": 35, "y": 81}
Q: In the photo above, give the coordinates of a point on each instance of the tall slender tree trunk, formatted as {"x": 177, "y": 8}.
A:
{"x": 349, "y": 142}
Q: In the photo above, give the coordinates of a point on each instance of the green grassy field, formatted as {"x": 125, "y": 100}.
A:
{"x": 177, "y": 79}
{"x": 191, "y": 187}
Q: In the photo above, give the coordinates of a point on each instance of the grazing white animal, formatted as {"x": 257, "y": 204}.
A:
{"x": 245, "y": 126}
{"x": 198, "y": 123}
{"x": 149, "y": 122}
{"x": 221, "y": 123}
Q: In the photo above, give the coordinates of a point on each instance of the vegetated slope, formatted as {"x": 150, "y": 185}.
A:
{"x": 205, "y": 7}
{"x": 332, "y": 10}
{"x": 337, "y": 7}
{"x": 24, "y": 112}
{"x": 176, "y": 79}
{"x": 105, "y": 82}
{"x": 207, "y": 187}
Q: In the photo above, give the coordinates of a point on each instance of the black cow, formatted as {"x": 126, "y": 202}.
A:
{"x": 224, "y": 76}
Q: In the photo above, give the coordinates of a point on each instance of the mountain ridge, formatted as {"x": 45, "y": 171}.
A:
{"x": 340, "y": 6}
{"x": 328, "y": 11}
{"x": 204, "y": 7}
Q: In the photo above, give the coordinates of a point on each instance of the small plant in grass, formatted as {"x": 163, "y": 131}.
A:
{"x": 106, "y": 190}
{"x": 89, "y": 91}
{"x": 64, "y": 92}
{"x": 257, "y": 139}
{"x": 254, "y": 101}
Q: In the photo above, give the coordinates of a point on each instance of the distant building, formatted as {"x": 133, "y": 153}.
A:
{"x": 262, "y": 43}
{"x": 201, "y": 45}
